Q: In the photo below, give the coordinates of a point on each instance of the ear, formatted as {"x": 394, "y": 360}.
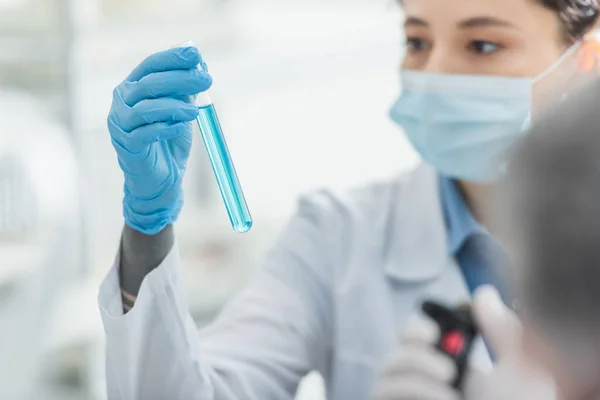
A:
{"x": 589, "y": 55}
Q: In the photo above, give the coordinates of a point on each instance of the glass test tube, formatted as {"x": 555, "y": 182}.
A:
{"x": 222, "y": 164}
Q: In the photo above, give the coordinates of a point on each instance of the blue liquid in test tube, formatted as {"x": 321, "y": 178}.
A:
{"x": 222, "y": 164}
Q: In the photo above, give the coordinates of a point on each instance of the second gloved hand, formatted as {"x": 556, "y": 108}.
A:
{"x": 514, "y": 377}
{"x": 151, "y": 131}
{"x": 418, "y": 371}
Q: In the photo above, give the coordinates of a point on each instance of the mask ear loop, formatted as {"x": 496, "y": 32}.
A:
{"x": 568, "y": 53}
{"x": 559, "y": 61}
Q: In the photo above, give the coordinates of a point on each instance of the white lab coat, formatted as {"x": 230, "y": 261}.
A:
{"x": 333, "y": 294}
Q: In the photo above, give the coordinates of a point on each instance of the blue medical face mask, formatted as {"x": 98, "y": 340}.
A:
{"x": 465, "y": 125}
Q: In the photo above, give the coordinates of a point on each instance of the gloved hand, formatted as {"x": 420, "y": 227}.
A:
{"x": 513, "y": 377}
{"x": 151, "y": 131}
{"x": 418, "y": 371}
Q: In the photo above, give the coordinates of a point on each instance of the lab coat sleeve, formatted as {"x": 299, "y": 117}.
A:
{"x": 262, "y": 344}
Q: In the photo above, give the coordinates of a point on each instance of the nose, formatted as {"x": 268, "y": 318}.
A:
{"x": 442, "y": 60}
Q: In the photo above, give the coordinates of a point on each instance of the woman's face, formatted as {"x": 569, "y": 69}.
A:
{"x": 494, "y": 37}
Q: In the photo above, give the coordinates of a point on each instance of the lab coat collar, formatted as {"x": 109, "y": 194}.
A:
{"x": 416, "y": 242}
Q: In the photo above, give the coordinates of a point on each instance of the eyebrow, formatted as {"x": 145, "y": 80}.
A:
{"x": 475, "y": 22}
{"x": 478, "y": 22}
{"x": 414, "y": 21}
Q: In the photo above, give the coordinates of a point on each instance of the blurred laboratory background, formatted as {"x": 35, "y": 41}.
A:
{"x": 302, "y": 87}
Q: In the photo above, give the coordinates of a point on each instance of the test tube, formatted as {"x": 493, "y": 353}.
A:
{"x": 221, "y": 162}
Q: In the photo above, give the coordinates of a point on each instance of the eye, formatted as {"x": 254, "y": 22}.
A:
{"x": 415, "y": 44}
{"x": 483, "y": 47}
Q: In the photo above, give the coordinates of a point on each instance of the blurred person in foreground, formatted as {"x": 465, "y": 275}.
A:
{"x": 351, "y": 267}
{"x": 552, "y": 206}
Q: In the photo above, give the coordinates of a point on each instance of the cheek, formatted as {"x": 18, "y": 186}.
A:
{"x": 415, "y": 60}
{"x": 521, "y": 61}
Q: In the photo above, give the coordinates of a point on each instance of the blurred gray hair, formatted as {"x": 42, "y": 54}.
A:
{"x": 551, "y": 212}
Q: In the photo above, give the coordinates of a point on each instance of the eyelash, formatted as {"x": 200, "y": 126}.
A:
{"x": 473, "y": 44}
{"x": 413, "y": 43}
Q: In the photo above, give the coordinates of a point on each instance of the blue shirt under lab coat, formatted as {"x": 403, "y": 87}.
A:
{"x": 478, "y": 254}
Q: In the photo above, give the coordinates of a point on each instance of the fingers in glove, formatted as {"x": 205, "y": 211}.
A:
{"x": 139, "y": 139}
{"x": 500, "y": 326}
{"x": 178, "y": 58}
{"x": 414, "y": 387}
{"x": 164, "y": 84}
{"x": 422, "y": 360}
{"x": 420, "y": 330}
{"x": 153, "y": 110}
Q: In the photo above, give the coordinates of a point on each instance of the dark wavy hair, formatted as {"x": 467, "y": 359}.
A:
{"x": 577, "y": 16}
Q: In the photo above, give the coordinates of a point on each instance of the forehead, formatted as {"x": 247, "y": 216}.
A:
{"x": 444, "y": 11}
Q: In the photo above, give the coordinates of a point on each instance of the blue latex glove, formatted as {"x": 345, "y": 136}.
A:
{"x": 151, "y": 131}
